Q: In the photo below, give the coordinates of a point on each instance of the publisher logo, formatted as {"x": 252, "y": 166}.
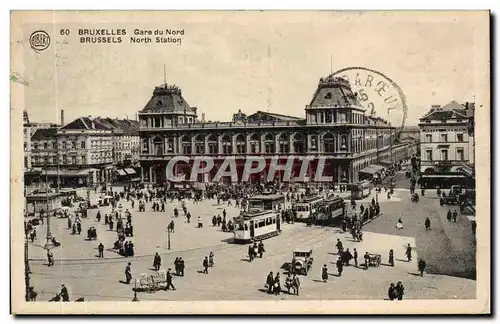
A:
{"x": 39, "y": 40}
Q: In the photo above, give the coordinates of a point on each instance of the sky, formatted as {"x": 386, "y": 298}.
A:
{"x": 269, "y": 61}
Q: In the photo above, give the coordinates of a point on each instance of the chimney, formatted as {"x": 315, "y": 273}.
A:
{"x": 202, "y": 117}
{"x": 62, "y": 117}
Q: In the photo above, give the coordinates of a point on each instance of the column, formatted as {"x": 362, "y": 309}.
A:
{"x": 193, "y": 149}
{"x": 290, "y": 143}
{"x": 176, "y": 144}
{"x": 248, "y": 148}
{"x": 150, "y": 173}
{"x": 219, "y": 144}
{"x": 142, "y": 173}
{"x": 233, "y": 143}
{"x": 261, "y": 148}
{"x": 276, "y": 144}
{"x": 205, "y": 140}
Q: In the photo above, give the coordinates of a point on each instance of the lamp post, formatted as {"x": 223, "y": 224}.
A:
{"x": 168, "y": 237}
{"x": 49, "y": 244}
{"x": 135, "y": 299}
{"x": 26, "y": 266}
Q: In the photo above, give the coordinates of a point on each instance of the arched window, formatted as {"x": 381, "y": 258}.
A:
{"x": 213, "y": 146}
{"x": 170, "y": 145}
{"x": 199, "y": 144}
{"x": 314, "y": 143}
{"x": 255, "y": 143}
{"x": 227, "y": 145}
{"x": 158, "y": 145}
{"x": 269, "y": 143}
{"x": 241, "y": 144}
{"x": 298, "y": 143}
{"x": 328, "y": 143}
{"x": 186, "y": 145}
{"x": 284, "y": 143}
{"x": 145, "y": 145}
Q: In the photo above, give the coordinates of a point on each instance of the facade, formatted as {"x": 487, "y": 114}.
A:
{"x": 335, "y": 127}
{"x": 446, "y": 138}
{"x": 29, "y": 130}
{"x": 126, "y": 144}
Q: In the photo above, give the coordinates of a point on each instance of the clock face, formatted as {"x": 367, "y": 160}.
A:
{"x": 377, "y": 93}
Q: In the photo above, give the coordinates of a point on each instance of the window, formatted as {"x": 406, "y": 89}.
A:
{"x": 227, "y": 145}
{"x": 35, "y": 146}
{"x": 84, "y": 160}
{"x": 284, "y": 143}
{"x": 82, "y": 144}
{"x": 241, "y": 144}
{"x": 54, "y": 160}
{"x": 45, "y": 145}
{"x": 269, "y": 144}
{"x": 36, "y": 159}
{"x": 444, "y": 155}
{"x": 444, "y": 137}
{"x": 428, "y": 155}
{"x": 254, "y": 143}
{"x": 328, "y": 142}
{"x": 25, "y": 146}
{"x": 46, "y": 160}
{"x": 73, "y": 160}
{"x": 25, "y": 159}
{"x": 298, "y": 143}
{"x": 65, "y": 159}
{"x": 460, "y": 154}
{"x": 460, "y": 137}
{"x": 428, "y": 138}
{"x": 63, "y": 145}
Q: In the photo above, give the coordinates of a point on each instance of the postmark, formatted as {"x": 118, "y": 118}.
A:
{"x": 39, "y": 40}
{"x": 379, "y": 94}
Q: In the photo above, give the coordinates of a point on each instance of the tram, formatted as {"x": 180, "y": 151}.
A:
{"x": 266, "y": 202}
{"x": 331, "y": 210}
{"x": 255, "y": 225}
{"x": 307, "y": 207}
{"x": 361, "y": 190}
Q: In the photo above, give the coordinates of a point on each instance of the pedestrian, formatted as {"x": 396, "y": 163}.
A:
{"x": 355, "y": 256}
{"x": 367, "y": 260}
{"x": 392, "y": 293}
{"x": 448, "y": 215}
{"x": 261, "y": 249}
{"x": 181, "y": 267}
{"x": 340, "y": 266}
{"x": 427, "y": 224}
{"x": 100, "y": 248}
{"x": 421, "y": 266}
{"x": 347, "y": 256}
{"x": 324, "y": 273}
{"x": 277, "y": 284}
{"x": 128, "y": 273}
{"x": 296, "y": 284}
{"x": 408, "y": 252}
{"x": 391, "y": 257}
{"x": 157, "y": 262}
{"x": 211, "y": 259}
{"x": 455, "y": 215}
{"x": 250, "y": 253}
{"x": 205, "y": 265}
{"x": 64, "y": 293}
{"x": 50, "y": 258}
{"x": 169, "y": 280}
{"x": 177, "y": 266}
{"x": 400, "y": 290}
{"x": 270, "y": 283}
{"x": 289, "y": 282}
{"x": 200, "y": 224}
{"x": 339, "y": 247}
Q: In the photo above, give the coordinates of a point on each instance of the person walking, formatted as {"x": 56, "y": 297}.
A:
{"x": 64, "y": 293}
{"x": 408, "y": 252}
{"x": 400, "y": 290}
{"x": 392, "y": 293}
{"x": 427, "y": 224}
{"x": 50, "y": 258}
{"x": 157, "y": 262}
{"x": 367, "y": 260}
{"x": 128, "y": 273}
{"x": 448, "y": 215}
{"x": 324, "y": 273}
{"x": 270, "y": 282}
{"x": 421, "y": 266}
{"x": 205, "y": 265}
{"x": 355, "y": 257}
{"x": 340, "y": 266}
{"x": 391, "y": 257}
{"x": 277, "y": 284}
{"x": 250, "y": 253}
{"x": 169, "y": 280}
{"x": 211, "y": 259}
{"x": 100, "y": 248}
{"x": 455, "y": 215}
{"x": 296, "y": 284}
{"x": 261, "y": 249}
{"x": 339, "y": 247}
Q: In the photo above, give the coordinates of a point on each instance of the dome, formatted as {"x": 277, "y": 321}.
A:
{"x": 334, "y": 92}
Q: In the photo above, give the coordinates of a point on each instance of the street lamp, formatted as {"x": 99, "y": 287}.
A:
{"x": 168, "y": 237}
{"x": 26, "y": 266}
{"x": 48, "y": 244}
{"x": 135, "y": 299}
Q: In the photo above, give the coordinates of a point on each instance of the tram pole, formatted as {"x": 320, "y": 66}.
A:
{"x": 26, "y": 267}
{"x": 168, "y": 238}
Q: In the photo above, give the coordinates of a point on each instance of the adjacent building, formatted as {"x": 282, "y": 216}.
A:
{"x": 447, "y": 138}
{"x": 334, "y": 126}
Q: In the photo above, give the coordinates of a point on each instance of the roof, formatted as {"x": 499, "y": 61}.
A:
{"x": 86, "y": 123}
{"x": 44, "y": 133}
{"x": 268, "y": 116}
{"x": 168, "y": 99}
{"x": 124, "y": 126}
{"x": 452, "y": 110}
{"x": 334, "y": 92}
{"x": 308, "y": 199}
{"x": 410, "y": 129}
{"x": 267, "y": 197}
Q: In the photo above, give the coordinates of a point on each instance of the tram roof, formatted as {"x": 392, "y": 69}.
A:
{"x": 267, "y": 197}
{"x": 309, "y": 199}
{"x": 256, "y": 213}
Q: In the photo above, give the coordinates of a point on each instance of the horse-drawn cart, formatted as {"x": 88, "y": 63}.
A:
{"x": 152, "y": 282}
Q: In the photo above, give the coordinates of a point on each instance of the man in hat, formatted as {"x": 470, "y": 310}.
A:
{"x": 128, "y": 273}
{"x": 205, "y": 265}
{"x": 100, "y": 248}
{"x": 169, "y": 280}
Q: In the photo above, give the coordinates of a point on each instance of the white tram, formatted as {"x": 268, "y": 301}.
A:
{"x": 331, "y": 210}
{"x": 307, "y": 207}
{"x": 255, "y": 225}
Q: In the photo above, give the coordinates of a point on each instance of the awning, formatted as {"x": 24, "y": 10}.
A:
{"x": 121, "y": 172}
{"x": 130, "y": 171}
{"x": 68, "y": 173}
{"x": 372, "y": 169}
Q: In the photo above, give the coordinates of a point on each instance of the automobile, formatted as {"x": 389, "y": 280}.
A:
{"x": 302, "y": 260}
